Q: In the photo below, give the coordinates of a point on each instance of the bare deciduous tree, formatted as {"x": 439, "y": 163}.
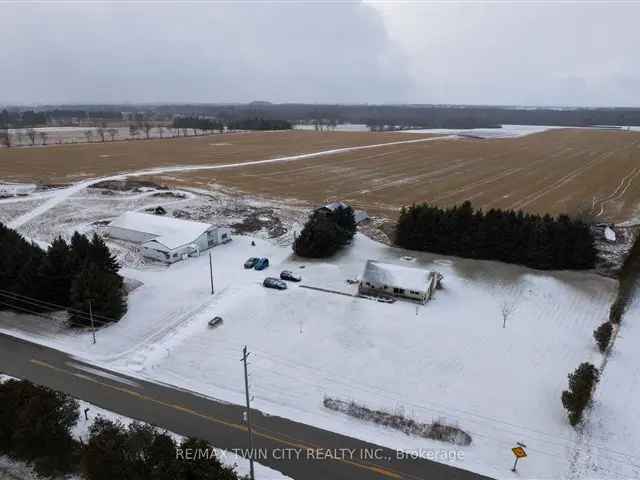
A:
{"x": 113, "y": 132}
{"x": 133, "y": 131}
{"x": 507, "y": 309}
{"x": 102, "y": 131}
{"x": 43, "y": 137}
{"x": 88, "y": 135}
{"x": 147, "y": 126}
{"x": 160, "y": 129}
{"x": 31, "y": 133}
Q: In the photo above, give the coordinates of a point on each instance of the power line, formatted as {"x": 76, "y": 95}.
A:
{"x": 50, "y": 306}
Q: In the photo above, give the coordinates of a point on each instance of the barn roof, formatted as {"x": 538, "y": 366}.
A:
{"x": 409, "y": 278}
{"x": 170, "y": 232}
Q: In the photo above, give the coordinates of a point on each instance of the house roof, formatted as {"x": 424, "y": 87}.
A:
{"x": 409, "y": 278}
{"x": 170, "y": 232}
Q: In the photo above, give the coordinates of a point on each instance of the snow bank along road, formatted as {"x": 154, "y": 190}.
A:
{"x": 219, "y": 423}
{"x": 63, "y": 194}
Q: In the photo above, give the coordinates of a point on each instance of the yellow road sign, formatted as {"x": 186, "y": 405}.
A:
{"x": 519, "y": 452}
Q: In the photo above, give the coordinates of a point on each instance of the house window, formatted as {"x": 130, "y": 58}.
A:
{"x": 398, "y": 291}
{"x": 413, "y": 292}
{"x": 175, "y": 255}
{"x": 224, "y": 235}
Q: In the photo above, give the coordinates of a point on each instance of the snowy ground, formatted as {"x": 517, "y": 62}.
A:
{"x": 611, "y": 439}
{"x": 450, "y": 359}
{"x": 20, "y": 471}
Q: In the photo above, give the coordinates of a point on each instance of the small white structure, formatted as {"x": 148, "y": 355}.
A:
{"x": 398, "y": 281}
{"x": 609, "y": 234}
{"x": 167, "y": 239}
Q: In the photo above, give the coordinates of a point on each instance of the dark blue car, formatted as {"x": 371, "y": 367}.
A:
{"x": 261, "y": 264}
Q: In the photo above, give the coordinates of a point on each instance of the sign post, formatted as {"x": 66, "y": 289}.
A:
{"x": 519, "y": 453}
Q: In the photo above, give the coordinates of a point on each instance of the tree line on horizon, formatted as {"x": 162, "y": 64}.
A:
{"x": 74, "y": 276}
{"x": 542, "y": 242}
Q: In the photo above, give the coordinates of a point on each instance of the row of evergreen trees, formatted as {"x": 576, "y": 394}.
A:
{"x": 259, "y": 123}
{"x": 542, "y": 242}
{"x": 68, "y": 274}
{"x": 36, "y": 426}
{"x": 325, "y": 232}
{"x": 197, "y": 123}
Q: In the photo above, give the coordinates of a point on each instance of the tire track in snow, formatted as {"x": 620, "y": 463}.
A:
{"x": 65, "y": 193}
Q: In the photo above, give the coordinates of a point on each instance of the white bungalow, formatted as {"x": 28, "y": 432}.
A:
{"x": 167, "y": 239}
{"x": 381, "y": 278}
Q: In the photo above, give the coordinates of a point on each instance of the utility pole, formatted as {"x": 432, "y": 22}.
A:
{"x": 245, "y": 355}
{"x": 211, "y": 271}
{"x": 93, "y": 327}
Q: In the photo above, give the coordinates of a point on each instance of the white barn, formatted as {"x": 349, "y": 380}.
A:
{"x": 167, "y": 239}
{"x": 398, "y": 281}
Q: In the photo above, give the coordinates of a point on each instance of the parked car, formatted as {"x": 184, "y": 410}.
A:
{"x": 251, "y": 262}
{"x": 261, "y": 264}
{"x": 289, "y": 275}
{"x": 386, "y": 299}
{"x": 272, "y": 282}
{"x": 215, "y": 321}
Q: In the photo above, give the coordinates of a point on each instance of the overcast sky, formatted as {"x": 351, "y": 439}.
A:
{"x": 512, "y": 53}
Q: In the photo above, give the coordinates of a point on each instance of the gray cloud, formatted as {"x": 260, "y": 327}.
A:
{"x": 71, "y": 52}
{"x": 499, "y": 53}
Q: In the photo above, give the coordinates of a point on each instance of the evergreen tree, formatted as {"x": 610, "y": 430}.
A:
{"x": 319, "y": 238}
{"x": 80, "y": 246}
{"x": 35, "y": 426}
{"x": 581, "y": 383}
{"x": 103, "y": 290}
{"x": 602, "y": 335}
{"x": 201, "y": 468}
{"x": 346, "y": 223}
{"x": 56, "y": 273}
{"x": 106, "y": 456}
{"x": 100, "y": 255}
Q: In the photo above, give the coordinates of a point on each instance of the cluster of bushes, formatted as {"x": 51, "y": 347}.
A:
{"x": 69, "y": 275}
{"x": 542, "y": 242}
{"x": 325, "y": 232}
{"x": 437, "y": 430}
{"x": 577, "y": 397}
{"x": 36, "y": 426}
{"x": 259, "y": 123}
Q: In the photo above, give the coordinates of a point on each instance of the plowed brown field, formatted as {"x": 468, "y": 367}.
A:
{"x": 552, "y": 172}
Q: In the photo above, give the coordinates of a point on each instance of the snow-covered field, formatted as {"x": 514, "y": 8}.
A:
{"x": 450, "y": 359}
{"x": 20, "y": 471}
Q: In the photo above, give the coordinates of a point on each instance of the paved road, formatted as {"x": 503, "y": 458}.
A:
{"x": 220, "y": 423}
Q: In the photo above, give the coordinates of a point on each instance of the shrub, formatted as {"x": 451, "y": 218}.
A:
{"x": 602, "y": 335}
{"x": 581, "y": 383}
